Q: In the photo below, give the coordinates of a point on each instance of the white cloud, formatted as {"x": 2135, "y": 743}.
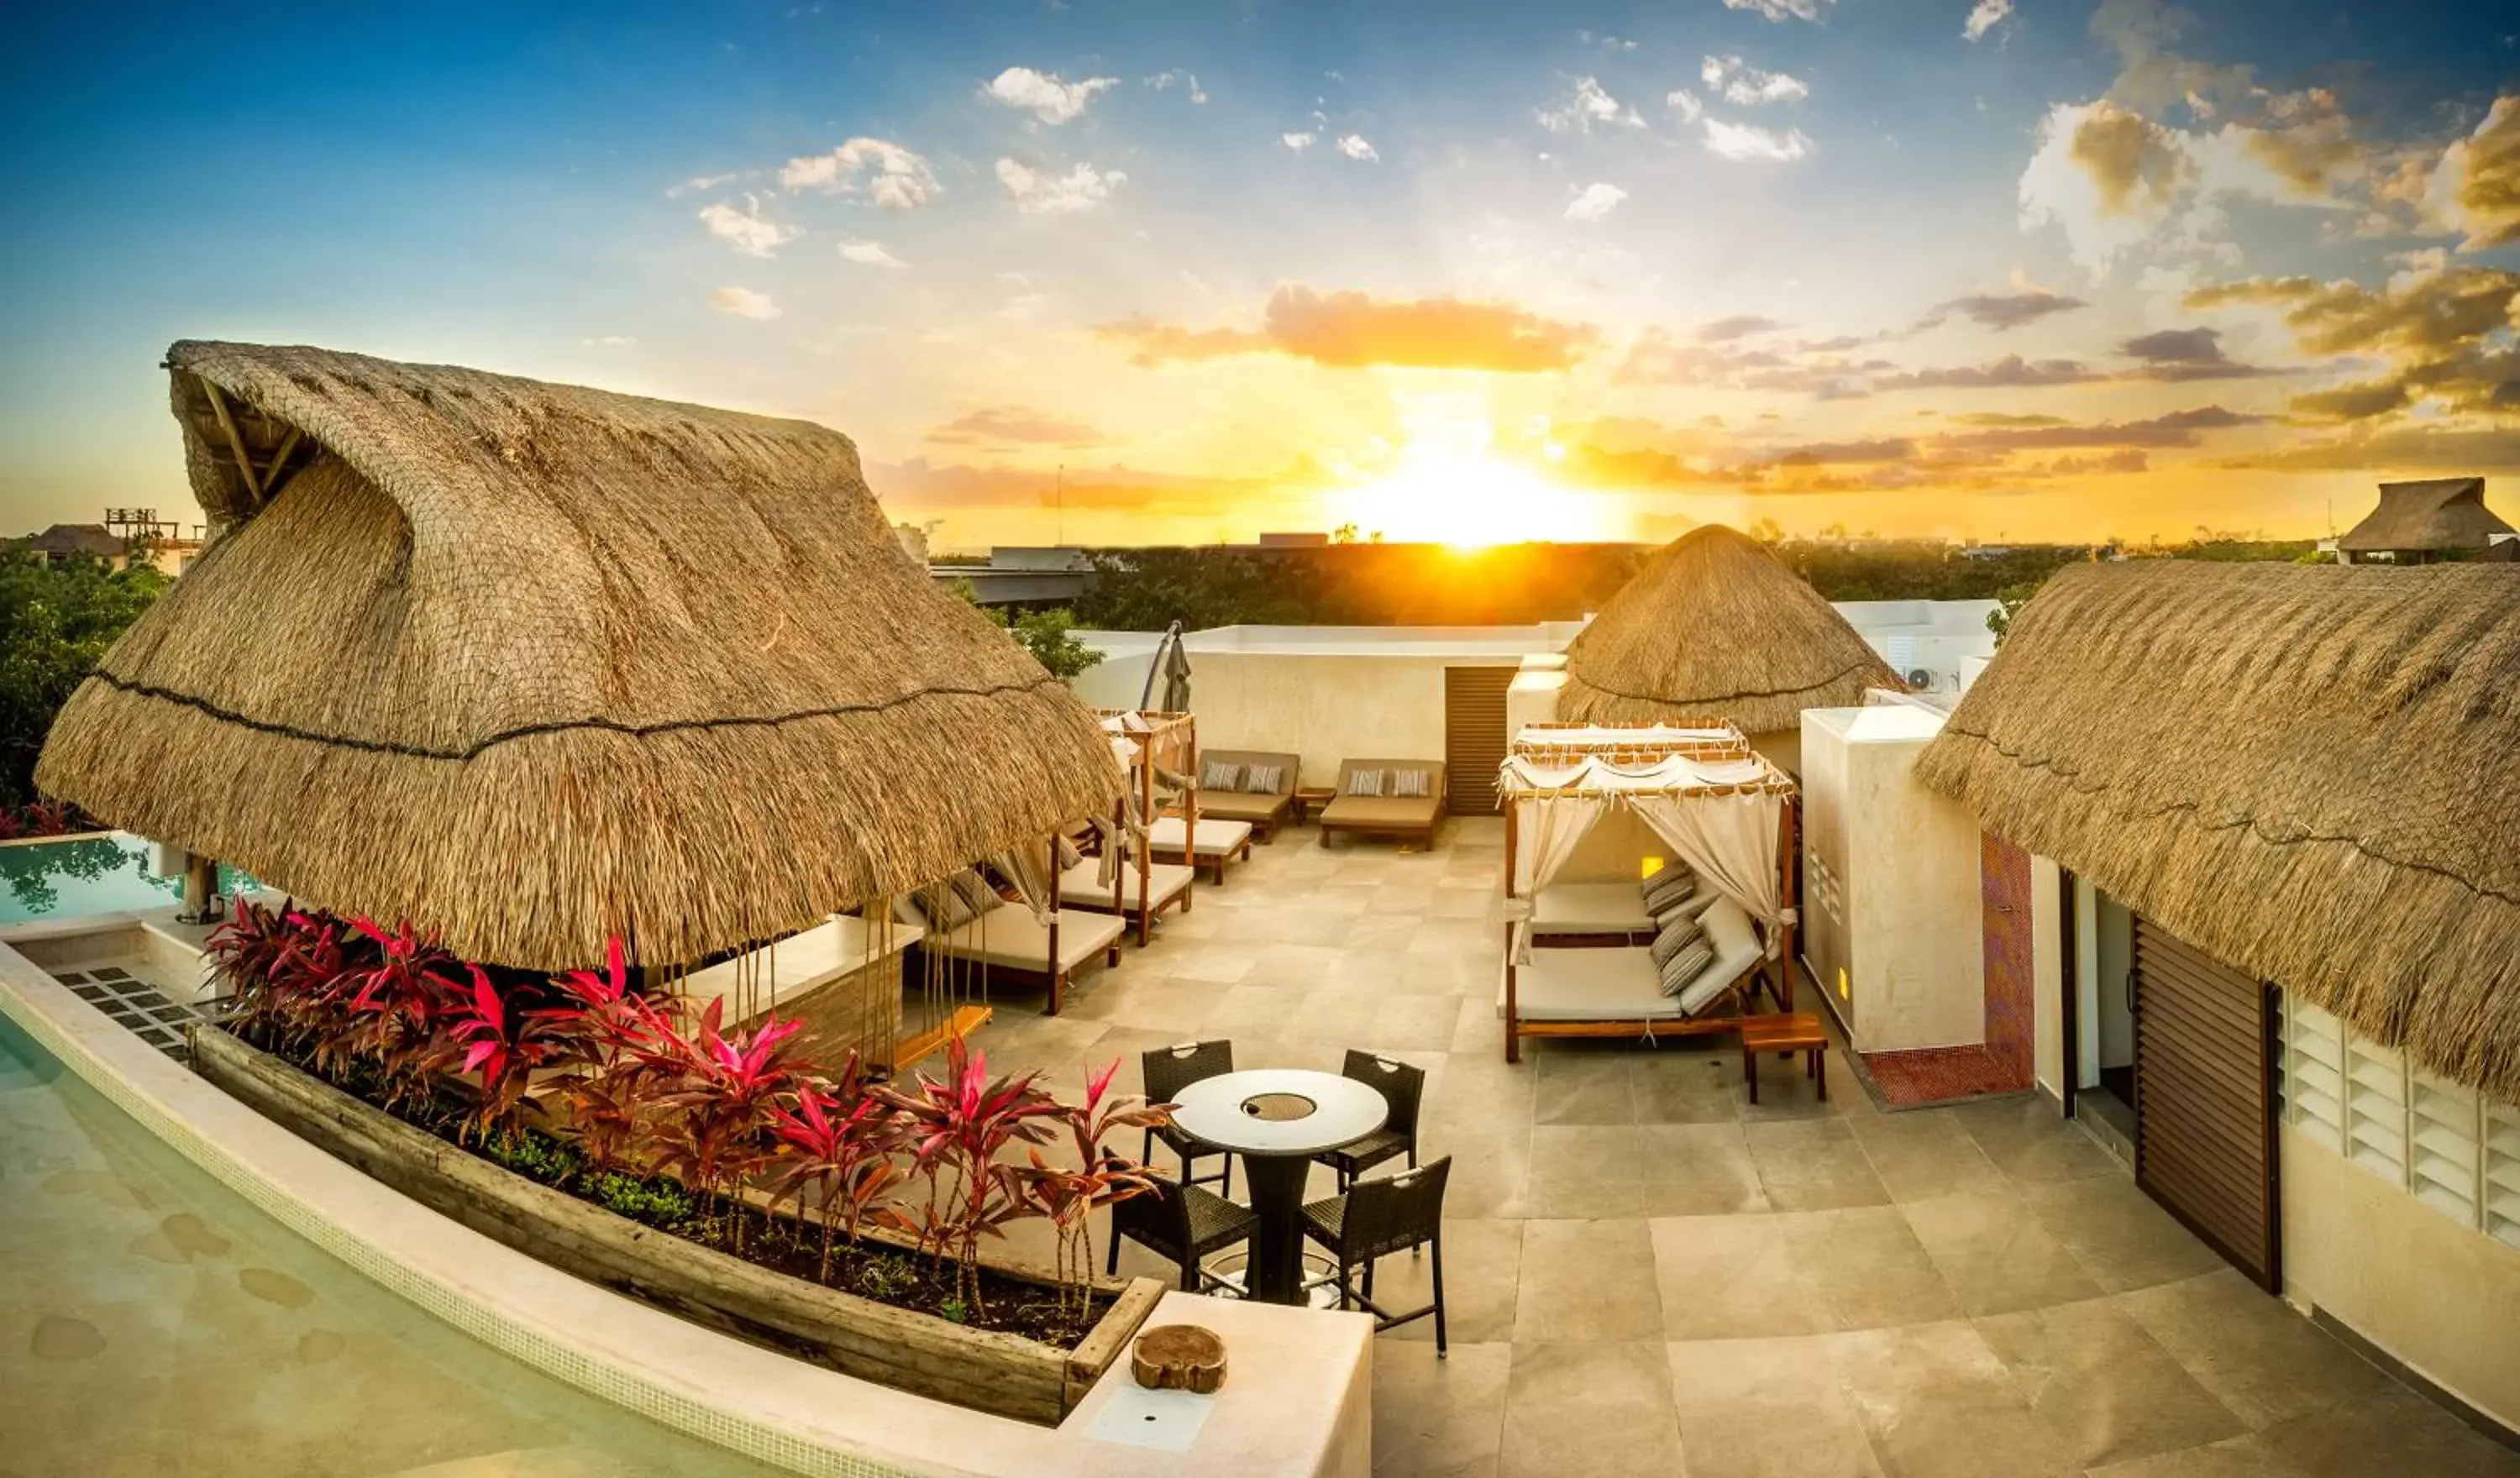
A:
{"x": 1353, "y": 145}
{"x": 743, "y": 302}
{"x": 1684, "y": 105}
{"x": 1747, "y": 86}
{"x": 1778, "y": 10}
{"x": 1584, "y": 104}
{"x": 1744, "y": 141}
{"x": 745, "y": 230}
{"x": 608, "y": 342}
{"x": 1043, "y": 94}
{"x": 1298, "y": 142}
{"x": 1039, "y": 192}
{"x": 884, "y": 172}
{"x": 1607, "y": 43}
{"x": 700, "y": 182}
{"x": 1983, "y": 17}
{"x": 1595, "y": 202}
{"x": 868, "y": 253}
{"x": 1165, "y": 81}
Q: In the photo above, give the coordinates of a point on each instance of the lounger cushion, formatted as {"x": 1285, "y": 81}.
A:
{"x": 1083, "y": 887}
{"x": 1589, "y": 908}
{"x": 1217, "y": 836}
{"x": 1623, "y": 985}
{"x": 1242, "y": 805}
{"x": 1013, "y": 939}
{"x": 1367, "y": 813}
{"x": 1365, "y": 782}
{"x": 1220, "y": 775}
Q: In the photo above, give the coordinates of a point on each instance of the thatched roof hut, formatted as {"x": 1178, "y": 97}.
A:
{"x": 2312, "y": 774}
{"x": 538, "y": 665}
{"x": 2426, "y": 517}
{"x": 1715, "y": 625}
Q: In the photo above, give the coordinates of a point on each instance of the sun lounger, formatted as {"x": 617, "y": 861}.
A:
{"x": 1599, "y": 908}
{"x": 1217, "y": 842}
{"x": 1082, "y": 888}
{"x": 1013, "y": 945}
{"x": 1618, "y": 991}
{"x": 1267, "y": 810}
{"x": 1385, "y": 813}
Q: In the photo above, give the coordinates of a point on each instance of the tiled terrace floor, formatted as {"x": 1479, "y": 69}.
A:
{"x": 1649, "y": 1276}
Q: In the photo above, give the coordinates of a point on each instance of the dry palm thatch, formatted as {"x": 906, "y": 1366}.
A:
{"x": 1714, "y": 623}
{"x": 2445, "y": 512}
{"x": 2312, "y": 774}
{"x": 538, "y": 665}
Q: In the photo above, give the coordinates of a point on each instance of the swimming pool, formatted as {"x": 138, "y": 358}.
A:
{"x": 73, "y": 878}
{"x": 152, "y": 1322}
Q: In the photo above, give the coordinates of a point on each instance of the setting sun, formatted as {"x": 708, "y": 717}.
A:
{"x": 1452, "y": 484}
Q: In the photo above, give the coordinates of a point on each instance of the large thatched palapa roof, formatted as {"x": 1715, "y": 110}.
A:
{"x": 2312, "y": 774}
{"x": 537, "y": 666}
{"x": 1714, "y": 625}
{"x": 2444, "y": 512}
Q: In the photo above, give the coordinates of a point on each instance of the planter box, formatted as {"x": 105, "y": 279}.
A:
{"x": 1005, "y": 1374}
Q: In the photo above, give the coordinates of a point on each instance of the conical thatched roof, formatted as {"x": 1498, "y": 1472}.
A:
{"x": 2312, "y": 774}
{"x": 536, "y": 665}
{"x": 1715, "y": 626}
{"x": 2444, "y": 512}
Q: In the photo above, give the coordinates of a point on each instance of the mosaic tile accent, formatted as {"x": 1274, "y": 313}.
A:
{"x": 1941, "y": 1075}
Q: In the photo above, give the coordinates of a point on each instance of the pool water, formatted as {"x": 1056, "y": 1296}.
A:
{"x": 94, "y": 875}
{"x": 152, "y": 1322}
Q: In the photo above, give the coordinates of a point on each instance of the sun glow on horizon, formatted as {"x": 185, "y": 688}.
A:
{"x": 1452, "y": 486}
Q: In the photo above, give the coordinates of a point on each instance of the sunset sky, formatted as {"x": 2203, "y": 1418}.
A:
{"x": 2008, "y": 269}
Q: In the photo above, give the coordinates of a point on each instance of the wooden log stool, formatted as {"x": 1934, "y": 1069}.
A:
{"x": 1785, "y": 1034}
{"x": 1179, "y": 1358}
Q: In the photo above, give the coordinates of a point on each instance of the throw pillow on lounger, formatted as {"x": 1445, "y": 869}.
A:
{"x": 978, "y": 896}
{"x": 1220, "y": 775}
{"x": 1262, "y": 780}
{"x": 1676, "y": 936}
{"x": 1365, "y": 782}
{"x": 1069, "y": 854}
{"x": 943, "y": 907}
{"x": 1669, "y": 886}
{"x": 1685, "y": 966}
{"x": 1409, "y": 784}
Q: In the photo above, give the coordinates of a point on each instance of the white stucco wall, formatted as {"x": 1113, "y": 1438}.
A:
{"x": 2442, "y": 1297}
{"x": 1907, "y": 861}
{"x": 2048, "y": 971}
{"x": 1326, "y": 707}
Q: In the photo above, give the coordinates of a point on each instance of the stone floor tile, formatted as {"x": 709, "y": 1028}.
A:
{"x": 1679, "y": 1086}
{"x": 1334, "y": 1013}
{"x": 1591, "y": 1088}
{"x": 1813, "y": 1165}
{"x": 1925, "y": 1155}
{"x": 2119, "y": 1236}
{"x": 2110, "y": 1391}
{"x": 1997, "y": 1257}
{"x": 2392, "y": 1431}
{"x": 1482, "y": 1276}
{"x": 2259, "y": 1358}
{"x": 1938, "y": 1404}
{"x": 2030, "y": 1143}
{"x": 1590, "y": 1408}
{"x": 1587, "y": 1281}
{"x": 1766, "y": 1408}
{"x": 1436, "y": 1416}
{"x": 1698, "y": 1170}
{"x": 1729, "y": 1278}
{"x": 2249, "y": 1456}
{"x": 1865, "y": 1268}
{"x": 1405, "y": 1022}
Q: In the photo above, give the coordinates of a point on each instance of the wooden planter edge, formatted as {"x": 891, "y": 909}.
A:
{"x": 988, "y": 1371}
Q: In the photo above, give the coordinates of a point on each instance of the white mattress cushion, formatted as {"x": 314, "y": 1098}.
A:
{"x": 1589, "y": 908}
{"x": 1215, "y": 838}
{"x": 1622, "y": 984}
{"x": 1080, "y": 888}
{"x": 1013, "y": 938}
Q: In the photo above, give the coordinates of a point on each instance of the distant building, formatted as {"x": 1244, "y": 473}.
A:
{"x": 1294, "y": 540}
{"x": 1019, "y": 576}
{"x": 2421, "y": 522}
{"x": 65, "y": 540}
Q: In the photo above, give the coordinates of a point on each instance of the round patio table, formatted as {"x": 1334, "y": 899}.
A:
{"x": 1277, "y": 1118}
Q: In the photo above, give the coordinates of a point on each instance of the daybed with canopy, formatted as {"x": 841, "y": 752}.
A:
{"x": 1722, "y": 809}
{"x": 1125, "y": 879}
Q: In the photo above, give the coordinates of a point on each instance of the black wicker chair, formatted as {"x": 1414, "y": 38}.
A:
{"x": 1182, "y": 1223}
{"x": 1380, "y": 1217}
{"x": 1401, "y": 1085}
{"x": 1169, "y": 1070}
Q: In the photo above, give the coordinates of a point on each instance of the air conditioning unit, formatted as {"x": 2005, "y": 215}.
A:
{"x": 1924, "y": 680}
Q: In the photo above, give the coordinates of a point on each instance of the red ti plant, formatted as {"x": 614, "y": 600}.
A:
{"x": 964, "y": 1126}
{"x": 1069, "y": 1197}
{"x": 845, "y": 1160}
{"x": 51, "y": 818}
{"x": 719, "y": 1092}
{"x": 609, "y": 1087}
{"x": 243, "y": 950}
{"x": 507, "y": 1041}
{"x": 406, "y": 1008}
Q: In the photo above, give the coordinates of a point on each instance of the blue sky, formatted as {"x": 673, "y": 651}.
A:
{"x": 1557, "y": 270}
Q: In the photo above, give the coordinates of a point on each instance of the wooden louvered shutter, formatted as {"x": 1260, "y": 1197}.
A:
{"x": 2205, "y": 1042}
{"x": 1474, "y": 736}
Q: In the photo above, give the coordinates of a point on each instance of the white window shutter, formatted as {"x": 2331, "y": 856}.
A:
{"x": 2313, "y": 1072}
{"x": 2503, "y": 1172}
{"x": 2444, "y": 1157}
{"x": 2375, "y": 1109}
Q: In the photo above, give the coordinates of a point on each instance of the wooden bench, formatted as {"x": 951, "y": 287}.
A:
{"x": 1785, "y": 1034}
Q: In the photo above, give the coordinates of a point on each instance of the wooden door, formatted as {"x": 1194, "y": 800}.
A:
{"x": 2011, "y": 968}
{"x": 2204, "y": 1105}
{"x": 1474, "y": 736}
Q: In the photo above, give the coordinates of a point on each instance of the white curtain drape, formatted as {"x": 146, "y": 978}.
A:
{"x": 1545, "y": 831}
{"x": 1023, "y": 867}
{"x": 1731, "y": 841}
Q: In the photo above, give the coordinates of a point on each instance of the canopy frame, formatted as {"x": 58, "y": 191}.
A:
{"x": 1145, "y": 740}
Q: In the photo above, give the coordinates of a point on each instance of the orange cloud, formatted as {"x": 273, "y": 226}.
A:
{"x": 1352, "y": 330}
{"x": 1014, "y": 425}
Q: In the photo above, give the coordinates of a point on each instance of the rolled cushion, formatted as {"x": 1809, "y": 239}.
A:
{"x": 1675, "y": 937}
{"x": 1685, "y": 964}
